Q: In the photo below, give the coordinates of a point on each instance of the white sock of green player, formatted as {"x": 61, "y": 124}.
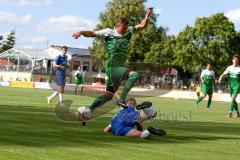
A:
{"x": 60, "y": 97}
{"x": 53, "y": 95}
{"x": 145, "y": 134}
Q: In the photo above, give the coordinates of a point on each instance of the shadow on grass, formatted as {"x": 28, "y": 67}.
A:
{"x": 39, "y": 127}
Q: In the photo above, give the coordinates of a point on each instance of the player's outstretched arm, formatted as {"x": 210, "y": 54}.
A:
{"x": 144, "y": 22}
{"x": 223, "y": 75}
{"x": 75, "y": 75}
{"x": 221, "y": 78}
{"x": 78, "y": 34}
{"x": 214, "y": 79}
{"x": 202, "y": 80}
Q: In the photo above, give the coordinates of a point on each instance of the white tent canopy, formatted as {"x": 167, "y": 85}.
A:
{"x": 19, "y": 59}
{"x": 24, "y": 54}
{"x": 39, "y": 60}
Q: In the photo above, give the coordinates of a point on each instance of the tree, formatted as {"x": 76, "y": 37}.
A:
{"x": 162, "y": 51}
{"x": 236, "y": 44}
{"x": 1, "y": 38}
{"x": 213, "y": 39}
{"x": 143, "y": 41}
{"x": 9, "y": 42}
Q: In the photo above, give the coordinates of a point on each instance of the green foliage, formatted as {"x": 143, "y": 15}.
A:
{"x": 143, "y": 41}
{"x": 132, "y": 9}
{"x": 213, "y": 39}
{"x": 162, "y": 50}
{"x": 8, "y": 43}
{"x": 99, "y": 53}
{"x": 1, "y": 38}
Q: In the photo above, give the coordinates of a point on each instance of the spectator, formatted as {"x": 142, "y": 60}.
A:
{"x": 40, "y": 79}
{"x": 156, "y": 82}
{"x": 198, "y": 90}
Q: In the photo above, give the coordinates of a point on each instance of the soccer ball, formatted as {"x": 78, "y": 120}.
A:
{"x": 83, "y": 113}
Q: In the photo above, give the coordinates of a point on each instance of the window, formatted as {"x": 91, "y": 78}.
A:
{"x": 76, "y": 64}
{"x": 86, "y": 66}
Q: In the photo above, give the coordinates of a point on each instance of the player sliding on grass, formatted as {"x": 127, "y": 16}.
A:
{"x": 117, "y": 44}
{"x": 207, "y": 78}
{"x": 234, "y": 72}
{"x": 125, "y": 120}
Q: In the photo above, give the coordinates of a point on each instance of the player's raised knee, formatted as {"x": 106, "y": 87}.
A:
{"x": 134, "y": 75}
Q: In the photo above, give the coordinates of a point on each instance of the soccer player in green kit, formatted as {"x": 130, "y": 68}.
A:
{"x": 79, "y": 80}
{"x": 117, "y": 44}
{"x": 207, "y": 78}
{"x": 234, "y": 84}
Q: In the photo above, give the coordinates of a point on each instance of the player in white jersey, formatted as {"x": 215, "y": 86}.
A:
{"x": 207, "y": 78}
{"x": 233, "y": 72}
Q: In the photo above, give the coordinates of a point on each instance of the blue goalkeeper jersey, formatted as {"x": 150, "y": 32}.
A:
{"x": 60, "y": 59}
{"x": 124, "y": 121}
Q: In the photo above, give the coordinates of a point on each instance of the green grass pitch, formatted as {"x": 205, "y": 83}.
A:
{"x": 30, "y": 130}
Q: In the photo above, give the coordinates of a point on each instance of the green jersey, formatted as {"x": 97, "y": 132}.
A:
{"x": 208, "y": 77}
{"x": 117, "y": 45}
{"x": 234, "y": 74}
{"x": 79, "y": 77}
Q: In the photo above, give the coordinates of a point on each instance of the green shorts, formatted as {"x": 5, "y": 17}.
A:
{"x": 79, "y": 83}
{"x": 234, "y": 90}
{"x": 207, "y": 90}
{"x": 116, "y": 75}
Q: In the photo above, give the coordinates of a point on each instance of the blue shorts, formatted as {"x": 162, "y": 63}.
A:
{"x": 60, "y": 78}
{"x": 121, "y": 130}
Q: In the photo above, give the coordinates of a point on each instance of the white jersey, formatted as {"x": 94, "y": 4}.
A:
{"x": 208, "y": 76}
{"x": 234, "y": 73}
{"x": 110, "y": 32}
{"x": 208, "y": 73}
{"x": 79, "y": 73}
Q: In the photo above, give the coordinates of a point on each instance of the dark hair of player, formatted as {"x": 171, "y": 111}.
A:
{"x": 123, "y": 20}
{"x": 209, "y": 63}
{"x": 131, "y": 99}
{"x": 235, "y": 56}
{"x": 64, "y": 47}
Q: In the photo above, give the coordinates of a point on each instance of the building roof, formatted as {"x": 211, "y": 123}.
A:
{"x": 23, "y": 54}
{"x": 75, "y": 51}
{"x": 29, "y": 54}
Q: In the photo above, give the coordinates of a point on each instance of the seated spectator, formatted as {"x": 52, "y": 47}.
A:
{"x": 40, "y": 79}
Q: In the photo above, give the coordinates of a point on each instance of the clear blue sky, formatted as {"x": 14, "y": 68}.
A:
{"x": 39, "y": 21}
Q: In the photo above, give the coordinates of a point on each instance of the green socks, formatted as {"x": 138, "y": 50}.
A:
{"x": 234, "y": 106}
{"x": 199, "y": 99}
{"x": 129, "y": 84}
{"x": 99, "y": 101}
{"x": 209, "y": 102}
